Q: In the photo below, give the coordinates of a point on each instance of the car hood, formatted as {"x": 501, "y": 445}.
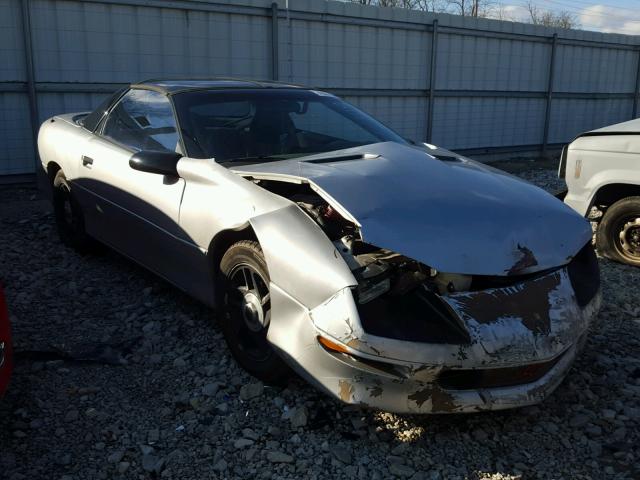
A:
{"x": 451, "y": 213}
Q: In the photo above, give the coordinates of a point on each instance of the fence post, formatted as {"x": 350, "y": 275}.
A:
{"x": 432, "y": 78}
{"x": 547, "y": 113}
{"x": 275, "y": 65}
{"x": 31, "y": 84}
{"x": 636, "y": 91}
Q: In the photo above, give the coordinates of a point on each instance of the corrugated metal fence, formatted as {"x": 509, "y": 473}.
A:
{"x": 471, "y": 85}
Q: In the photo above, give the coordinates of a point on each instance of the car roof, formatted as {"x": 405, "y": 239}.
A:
{"x": 172, "y": 86}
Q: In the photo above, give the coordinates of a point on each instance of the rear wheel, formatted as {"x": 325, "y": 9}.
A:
{"x": 618, "y": 235}
{"x": 246, "y": 311}
{"x": 68, "y": 215}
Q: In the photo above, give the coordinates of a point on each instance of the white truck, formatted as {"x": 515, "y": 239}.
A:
{"x": 602, "y": 170}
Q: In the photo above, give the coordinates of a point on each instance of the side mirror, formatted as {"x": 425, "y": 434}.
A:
{"x": 163, "y": 163}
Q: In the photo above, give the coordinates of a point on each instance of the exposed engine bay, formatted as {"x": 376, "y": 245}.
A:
{"x": 379, "y": 270}
{"x": 390, "y": 285}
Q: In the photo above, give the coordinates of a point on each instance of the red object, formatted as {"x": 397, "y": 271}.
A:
{"x": 6, "y": 358}
{"x": 331, "y": 214}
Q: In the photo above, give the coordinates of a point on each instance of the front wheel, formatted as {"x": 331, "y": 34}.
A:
{"x": 68, "y": 215}
{"x": 246, "y": 311}
{"x": 618, "y": 235}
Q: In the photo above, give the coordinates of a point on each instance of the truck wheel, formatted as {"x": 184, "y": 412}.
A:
{"x": 246, "y": 311}
{"x": 618, "y": 235}
{"x": 68, "y": 216}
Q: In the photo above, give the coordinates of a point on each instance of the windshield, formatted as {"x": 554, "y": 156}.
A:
{"x": 252, "y": 126}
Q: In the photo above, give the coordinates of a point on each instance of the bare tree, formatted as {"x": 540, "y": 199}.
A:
{"x": 437, "y": 6}
{"x": 548, "y": 18}
{"x": 471, "y": 8}
{"x": 483, "y": 8}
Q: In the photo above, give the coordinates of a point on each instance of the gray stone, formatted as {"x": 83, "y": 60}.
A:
{"x": 146, "y": 449}
{"x": 341, "y": 453}
{"x": 400, "y": 470}
{"x": 149, "y": 327}
{"x": 71, "y": 416}
{"x": 298, "y": 417}
{"x": 400, "y": 449}
{"x": 251, "y": 390}
{"x": 395, "y": 459}
{"x": 64, "y": 459}
{"x": 177, "y": 456}
{"x": 579, "y": 420}
{"x": 116, "y": 456}
{"x": 243, "y": 442}
{"x": 210, "y": 389}
{"x": 279, "y": 457}
{"x": 179, "y": 362}
{"x": 152, "y": 463}
{"x": 221, "y": 465}
{"x": 153, "y": 435}
{"x": 593, "y": 430}
{"x": 248, "y": 433}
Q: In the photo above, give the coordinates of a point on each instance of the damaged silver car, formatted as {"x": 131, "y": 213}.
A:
{"x": 388, "y": 274}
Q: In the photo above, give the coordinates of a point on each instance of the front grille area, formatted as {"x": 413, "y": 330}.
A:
{"x": 418, "y": 316}
{"x": 584, "y": 274}
{"x": 495, "y": 377}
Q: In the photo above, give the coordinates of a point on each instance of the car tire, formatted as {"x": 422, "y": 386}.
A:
{"x": 245, "y": 311}
{"x": 68, "y": 216}
{"x": 618, "y": 234}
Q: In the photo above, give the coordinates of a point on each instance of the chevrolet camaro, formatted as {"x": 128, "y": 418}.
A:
{"x": 386, "y": 272}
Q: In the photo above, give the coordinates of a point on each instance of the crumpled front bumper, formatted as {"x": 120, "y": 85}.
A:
{"x": 414, "y": 394}
{"x": 403, "y": 376}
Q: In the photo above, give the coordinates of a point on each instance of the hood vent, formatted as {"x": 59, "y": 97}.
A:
{"x": 445, "y": 158}
{"x": 343, "y": 158}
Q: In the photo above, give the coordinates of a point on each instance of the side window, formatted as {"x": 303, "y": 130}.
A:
{"x": 143, "y": 120}
{"x": 91, "y": 121}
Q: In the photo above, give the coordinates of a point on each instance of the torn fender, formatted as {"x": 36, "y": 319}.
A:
{"x": 302, "y": 261}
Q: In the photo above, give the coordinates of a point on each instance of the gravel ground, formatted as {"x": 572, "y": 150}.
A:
{"x": 166, "y": 400}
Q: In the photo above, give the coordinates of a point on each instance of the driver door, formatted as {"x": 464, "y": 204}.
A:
{"x": 135, "y": 212}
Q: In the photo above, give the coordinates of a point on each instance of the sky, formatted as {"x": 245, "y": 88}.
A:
{"x": 616, "y": 16}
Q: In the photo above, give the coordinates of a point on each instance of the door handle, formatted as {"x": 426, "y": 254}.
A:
{"x": 86, "y": 161}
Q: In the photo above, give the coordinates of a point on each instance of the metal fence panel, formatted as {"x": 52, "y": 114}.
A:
{"x": 92, "y": 42}
{"x": 462, "y": 123}
{"x": 490, "y": 83}
{"x": 483, "y": 63}
{"x": 11, "y": 45}
{"x": 352, "y": 56}
{"x": 16, "y": 154}
{"x": 587, "y": 69}
{"x": 580, "y": 115}
{"x": 54, "y": 103}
